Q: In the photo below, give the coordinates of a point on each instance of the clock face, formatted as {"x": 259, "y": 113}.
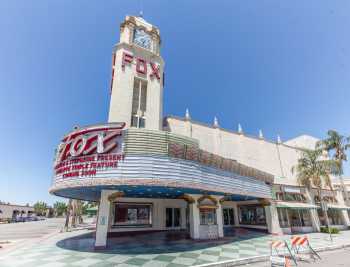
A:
{"x": 142, "y": 39}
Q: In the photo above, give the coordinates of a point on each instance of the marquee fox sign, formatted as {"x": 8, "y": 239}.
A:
{"x": 89, "y": 141}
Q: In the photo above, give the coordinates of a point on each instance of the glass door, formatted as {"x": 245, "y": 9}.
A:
{"x": 228, "y": 214}
{"x": 172, "y": 217}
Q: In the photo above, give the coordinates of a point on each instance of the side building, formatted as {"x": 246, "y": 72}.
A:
{"x": 9, "y": 212}
{"x": 296, "y": 208}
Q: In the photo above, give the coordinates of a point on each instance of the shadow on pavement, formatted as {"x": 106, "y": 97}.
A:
{"x": 154, "y": 243}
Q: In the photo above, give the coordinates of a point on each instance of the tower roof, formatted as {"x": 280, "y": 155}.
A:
{"x": 140, "y": 22}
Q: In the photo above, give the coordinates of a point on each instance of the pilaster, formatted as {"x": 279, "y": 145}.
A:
{"x": 103, "y": 220}
{"x": 194, "y": 220}
{"x": 344, "y": 213}
{"x": 273, "y": 225}
{"x": 315, "y": 220}
{"x": 219, "y": 217}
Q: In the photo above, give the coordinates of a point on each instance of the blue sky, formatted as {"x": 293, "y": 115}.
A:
{"x": 282, "y": 66}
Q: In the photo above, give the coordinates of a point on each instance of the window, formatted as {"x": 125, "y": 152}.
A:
{"x": 252, "y": 215}
{"x": 173, "y": 216}
{"x": 286, "y": 196}
{"x": 299, "y": 217}
{"x": 317, "y": 199}
{"x": 283, "y": 217}
{"x": 334, "y": 217}
{"x": 330, "y": 199}
{"x": 279, "y": 196}
{"x": 207, "y": 216}
{"x": 228, "y": 216}
{"x": 142, "y": 122}
{"x": 132, "y": 214}
{"x": 293, "y": 217}
{"x": 139, "y": 103}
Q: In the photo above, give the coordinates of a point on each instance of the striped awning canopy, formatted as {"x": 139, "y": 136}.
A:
{"x": 295, "y": 205}
{"x": 338, "y": 207}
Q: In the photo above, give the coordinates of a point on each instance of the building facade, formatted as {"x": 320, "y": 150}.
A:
{"x": 151, "y": 173}
{"x": 13, "y": 212}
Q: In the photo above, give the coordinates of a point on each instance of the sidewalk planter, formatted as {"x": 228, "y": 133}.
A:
{"x": 332, "y": 230}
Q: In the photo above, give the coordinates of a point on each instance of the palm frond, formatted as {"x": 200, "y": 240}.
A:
{"x": 313, "y": 170}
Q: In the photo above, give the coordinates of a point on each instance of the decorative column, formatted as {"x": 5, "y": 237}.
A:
{"x": 236, "y": 214}
{"x": 219, "y": 217}
{"x": 183, "y": 218}
{"x": 194, "y": 220}
{"x": 273, "y": 225}
{"x": 315, "y": 220}
{"x": 344, "y": 213}
{"x": 103, "y": 220}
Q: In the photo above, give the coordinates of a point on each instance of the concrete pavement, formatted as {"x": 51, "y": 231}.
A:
{"x": 48, "y": 247}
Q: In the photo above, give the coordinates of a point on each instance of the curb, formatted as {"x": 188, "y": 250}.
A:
{"x": 238, "y": 262}
{"x": 263, "y": 258}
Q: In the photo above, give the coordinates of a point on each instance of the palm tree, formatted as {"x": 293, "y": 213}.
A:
{"x": 77, "y": 212}
{"x": 69, "y": 207}
{"x": 40, "y": 208}
{"x": 337, "y": 144}
{"x": 313, "y": 170}
{"x": 60, "y": 208}
{"x": 80, "y": 211}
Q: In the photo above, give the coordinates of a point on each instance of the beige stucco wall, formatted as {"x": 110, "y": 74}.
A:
{"x": 7, "y": 210}
{"x": 271, "y": 157}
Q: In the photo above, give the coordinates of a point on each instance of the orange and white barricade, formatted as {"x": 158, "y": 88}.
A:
{"x": 281, "y": 254}
{"x": 301, "y": 244}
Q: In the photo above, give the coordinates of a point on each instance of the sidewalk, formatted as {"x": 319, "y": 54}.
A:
{"x": 76, "y": 249}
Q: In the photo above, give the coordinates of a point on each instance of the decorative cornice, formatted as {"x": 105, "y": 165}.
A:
{"x": 115, "y": 195}
{"x": 265, "y": 202}
{"x": 187, "y": 198}
{"x": 215, "y": 202}
{"x": 93, "y": 182}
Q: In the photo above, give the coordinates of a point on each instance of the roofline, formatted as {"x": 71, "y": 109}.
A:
{"x": 14, "y": 205}
{"x": 234, "y": 132}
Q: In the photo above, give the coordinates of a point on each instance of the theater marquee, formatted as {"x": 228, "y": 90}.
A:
{"x": 89, "y": 151}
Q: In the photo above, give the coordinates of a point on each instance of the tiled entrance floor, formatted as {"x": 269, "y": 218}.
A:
{"x": 152, "y": 249}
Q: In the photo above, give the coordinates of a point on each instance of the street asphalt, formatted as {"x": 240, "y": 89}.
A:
{"x": 29, "y": 230}
{"x": 333, "y": 258}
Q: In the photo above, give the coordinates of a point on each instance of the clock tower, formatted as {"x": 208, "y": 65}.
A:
{"x": 137, "y": 76}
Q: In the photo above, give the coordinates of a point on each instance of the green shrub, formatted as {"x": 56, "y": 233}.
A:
{"x": 332, "y": 230}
